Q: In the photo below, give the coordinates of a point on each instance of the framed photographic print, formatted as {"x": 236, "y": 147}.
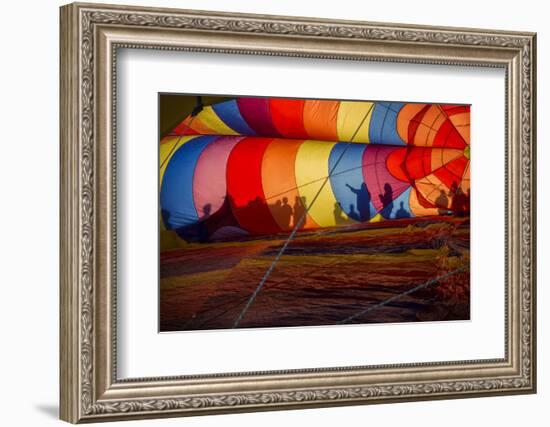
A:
{"x": 265, "y": 212}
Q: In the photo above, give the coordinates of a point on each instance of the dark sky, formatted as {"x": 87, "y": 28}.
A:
{"x": 173, "y": 108}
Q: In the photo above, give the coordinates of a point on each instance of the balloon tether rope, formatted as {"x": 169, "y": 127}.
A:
{"x": 296, "y": 227}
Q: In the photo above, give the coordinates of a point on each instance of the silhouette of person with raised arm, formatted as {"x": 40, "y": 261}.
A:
{"x": 401, "y": 212}
{"x": 353, "y": 214}
{"x": 387, "y": 201}
{"x": 363, "y": 201}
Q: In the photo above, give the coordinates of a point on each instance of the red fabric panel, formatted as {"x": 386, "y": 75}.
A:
{"x": 184, "y": 129}
{"x": 419, "y": 162}
{"x": 452, "y": 172}
{"x": 244, "y": 186}
{"x": 396, "y": 164}
{"x": 448, "y": 137}
{"x": 455, "y": 109}
{"x": 288, "y": 117}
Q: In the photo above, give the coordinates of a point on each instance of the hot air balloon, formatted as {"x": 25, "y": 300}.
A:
{"x": 259, "y": 166}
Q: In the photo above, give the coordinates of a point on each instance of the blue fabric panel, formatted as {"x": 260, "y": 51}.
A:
{"x": 176, "y": 195}
{"x": 229, "y": 112}
{"x": 400, "y": 207}
{"x": 383, "y": 124}
{"x": 346, "y": 179}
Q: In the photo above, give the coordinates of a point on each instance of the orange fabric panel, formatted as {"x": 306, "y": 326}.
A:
{"x": 461, "y": 122}
{"x": 404, "y": 118}
{"x": 321, "y": 119}
{"x": 417, "y": 208}
{"x": 279, "y": 183}
{"x": 427, "y": 129}
{"x": 192, "y": 126}
{"x": 465, "y": 184}
{"x": 430, "y": 188}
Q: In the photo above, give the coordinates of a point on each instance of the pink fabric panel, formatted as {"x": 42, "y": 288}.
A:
{"x": 377, "y": 176}
{"x": 209, "y": 181}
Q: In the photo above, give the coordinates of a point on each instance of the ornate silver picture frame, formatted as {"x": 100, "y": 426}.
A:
{"x": 91, "y": 34}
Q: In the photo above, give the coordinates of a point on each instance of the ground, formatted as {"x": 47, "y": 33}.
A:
{"x": 326, "y": 277}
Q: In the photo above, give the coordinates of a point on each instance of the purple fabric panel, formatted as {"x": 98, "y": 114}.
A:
{"x": 256, "y": 113}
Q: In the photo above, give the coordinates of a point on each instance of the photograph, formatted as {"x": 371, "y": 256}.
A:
{"x": 281, "y": 212}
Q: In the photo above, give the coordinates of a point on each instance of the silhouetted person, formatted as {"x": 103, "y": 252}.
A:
{"x": 387, "y": 201}
{"x": 206, "y": 210}
{"x": 203, "y": 227}
{"x": 363, "y": 201}
{"x": 298, "y": 211}
{"x": 286, "y": 213}
{"x": 353, "y": 214}
{"x": 338, "y": 217}
{"x": 282, "y": 212}
{"x": 442, "y": 202}
{"x": 460, "y": 203}
{"x": 401, "y": 212}
{"x": 452, "y": 195}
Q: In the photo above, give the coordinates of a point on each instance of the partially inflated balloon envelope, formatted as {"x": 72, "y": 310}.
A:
{"x": 260, "y": 166}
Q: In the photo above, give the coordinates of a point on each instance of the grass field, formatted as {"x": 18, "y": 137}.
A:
{"x": 323, "y": 278}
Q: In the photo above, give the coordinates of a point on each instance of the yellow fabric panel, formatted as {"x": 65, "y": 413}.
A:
{"x": 354, "y": 117}
{"x": 377, "y": 218}
{"x": 209, "y": 118}
{"x": 311, "y": 170}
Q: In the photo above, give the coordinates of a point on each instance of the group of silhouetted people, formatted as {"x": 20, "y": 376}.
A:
{"x": 454, "y": 202}
{"x": 285, "y": 214}
{"x": 459, "y": 201}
